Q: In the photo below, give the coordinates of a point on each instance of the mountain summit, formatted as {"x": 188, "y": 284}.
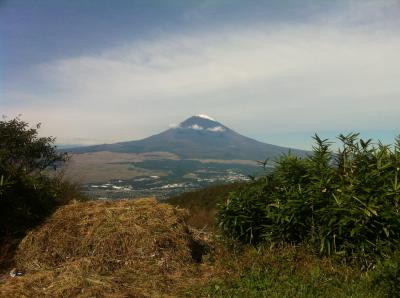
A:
{"x": 202, "y": 122}
{"x": 199, "y": 137}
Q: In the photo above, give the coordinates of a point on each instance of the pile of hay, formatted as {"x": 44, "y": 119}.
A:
{"x": 127, "y": 248}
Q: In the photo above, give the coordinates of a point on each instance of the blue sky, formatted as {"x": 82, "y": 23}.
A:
{"x": 278, "y": 71}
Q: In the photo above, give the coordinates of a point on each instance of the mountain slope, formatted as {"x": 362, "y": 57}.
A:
{"x": 198, "y": 137}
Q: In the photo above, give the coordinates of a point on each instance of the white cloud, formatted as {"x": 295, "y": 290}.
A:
{"x": 216, "y": 129}
{"x": 196, "y": 127}
{"x": 284, "y": 78}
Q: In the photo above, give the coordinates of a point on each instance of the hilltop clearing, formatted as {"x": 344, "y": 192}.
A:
{"x": 143, "y": 248}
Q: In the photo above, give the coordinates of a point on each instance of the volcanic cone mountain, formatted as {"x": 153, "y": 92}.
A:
{"x": 198, "y": 137}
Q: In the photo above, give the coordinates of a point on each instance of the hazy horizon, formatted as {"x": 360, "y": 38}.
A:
{"x": 276, "y": 71}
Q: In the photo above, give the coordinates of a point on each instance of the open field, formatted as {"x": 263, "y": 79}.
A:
{"x": 130, "y": 175}
{"x": 104, "y": 166}
{"x": 97, "y": 167}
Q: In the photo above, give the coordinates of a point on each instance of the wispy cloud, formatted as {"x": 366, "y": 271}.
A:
{"x": 281, "y": 78}
{"x": 216, "y": 129}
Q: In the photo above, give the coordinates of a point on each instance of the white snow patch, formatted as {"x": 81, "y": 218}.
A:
{"x": 216, "y": 129}
{"x": 205, "y": 117}
{"x": 196, "y": 127}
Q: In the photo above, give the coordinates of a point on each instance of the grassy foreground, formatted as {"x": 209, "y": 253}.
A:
{"x": 286, "y": 272}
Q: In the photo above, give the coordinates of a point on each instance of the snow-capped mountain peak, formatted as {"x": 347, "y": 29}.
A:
{"x": 205, "y": 117}
{"x": 202, "y": 123}
{"x": 197, "y": 137}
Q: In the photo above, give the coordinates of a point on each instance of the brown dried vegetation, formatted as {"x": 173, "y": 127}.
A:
{"x": 109, "y": 249}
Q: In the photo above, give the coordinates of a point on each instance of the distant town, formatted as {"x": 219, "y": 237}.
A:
{"x": 161, "y": 187}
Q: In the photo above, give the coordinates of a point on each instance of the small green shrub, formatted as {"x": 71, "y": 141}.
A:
{"x": 244, "y": 219}
{"x": 202, "y": 203}
{"x": 343, "y": 203}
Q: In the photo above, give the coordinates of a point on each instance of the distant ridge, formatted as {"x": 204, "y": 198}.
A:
{"x": 198, "y": 137}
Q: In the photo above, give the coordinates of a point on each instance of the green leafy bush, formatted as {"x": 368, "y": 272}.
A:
{"x": 28, "y": 193}
{"x": 344, "y": 203}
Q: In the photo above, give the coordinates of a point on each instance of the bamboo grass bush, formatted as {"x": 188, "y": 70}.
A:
{"x": 343, "y": 203}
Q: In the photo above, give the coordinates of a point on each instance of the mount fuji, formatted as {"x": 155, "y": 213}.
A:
{"x": 198, "y": 137}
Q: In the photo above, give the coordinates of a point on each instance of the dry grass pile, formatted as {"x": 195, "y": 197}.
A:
{"x": 116, "y": 249}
